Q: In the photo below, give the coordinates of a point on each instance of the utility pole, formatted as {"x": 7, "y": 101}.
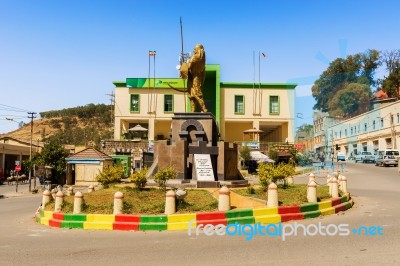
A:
{"x": 31, "y": 116}
{"x": 112, "y": 98}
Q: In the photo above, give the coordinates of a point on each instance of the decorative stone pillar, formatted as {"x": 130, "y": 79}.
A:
{"x": 90, "y": 189}
{"x": 312, "y": 191}
{"x": 118, "y": 202}
{"x": 59, "y": 201}
{"x": 224, "y": 199}
{"x": 78, "y": 199}
{"x": 46, "y": 198}
{"x": 272, "y": 195}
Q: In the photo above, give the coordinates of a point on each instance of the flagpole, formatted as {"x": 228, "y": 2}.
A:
{"x": 148, "y": 89}
{"x": 254, "y": 82}
{"x": 259, "y": 83}
{"x": 154, "y": 81}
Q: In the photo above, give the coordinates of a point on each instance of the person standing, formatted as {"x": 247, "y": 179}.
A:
{"x": 322, "y": 159}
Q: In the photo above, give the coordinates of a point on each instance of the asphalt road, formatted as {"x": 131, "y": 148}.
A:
{"x": 375, "y": 190}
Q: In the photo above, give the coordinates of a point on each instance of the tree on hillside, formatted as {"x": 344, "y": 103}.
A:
{"x": 305, "y": 128}
{"x": 391, "y": 83}
{"x": 358, "y": 68}
{"x": 352, "y": 100}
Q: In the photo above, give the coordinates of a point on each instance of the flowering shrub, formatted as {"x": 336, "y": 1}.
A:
{"x": 163, "y": 175}
{"x": 268, "y": 172}
{"x": 110, "y": 175}
{"x": 139, "y": 178}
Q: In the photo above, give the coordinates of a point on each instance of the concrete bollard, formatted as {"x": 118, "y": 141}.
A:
{"x": 328, "y": 182}
{"x": 78, "y": 199}
{"x": 272, "y": 195}
{"x": 343, "y": 185}
{"x": 59, "y": 201}
{"x": 70, "y": 191}
{"x": 224, "y": 199}
{"x": 312, "y": 191}
{"x": 311, "y": 177}
{"x": 335, "y": 190}
{"x": 290, "y": 180}
{"x": 170, "y": 202}
{"x": 46, "y": 198}
{"x": 90, "y": 189}
{"x": 118, "y": 201}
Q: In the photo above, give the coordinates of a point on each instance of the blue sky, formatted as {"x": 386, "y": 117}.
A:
{"x": 58, "y": 54}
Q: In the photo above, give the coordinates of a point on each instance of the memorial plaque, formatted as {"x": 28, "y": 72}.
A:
{"x": 202, "y": 167}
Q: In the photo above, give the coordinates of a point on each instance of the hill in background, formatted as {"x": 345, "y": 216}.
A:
{"x": 78, "y": 126}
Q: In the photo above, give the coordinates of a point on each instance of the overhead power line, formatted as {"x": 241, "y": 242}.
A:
{"x": 12, "y": 108}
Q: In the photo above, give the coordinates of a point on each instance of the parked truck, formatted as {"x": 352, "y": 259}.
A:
{"x": 364, "y": 156}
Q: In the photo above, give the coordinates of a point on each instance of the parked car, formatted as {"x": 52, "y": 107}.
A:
{"x": 341, "y": 156}
{"x": 387, "y": 157}
{"x": 364, "y": 157}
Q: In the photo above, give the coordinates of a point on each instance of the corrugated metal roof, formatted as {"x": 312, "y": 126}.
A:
{"x": 89, "y": 153}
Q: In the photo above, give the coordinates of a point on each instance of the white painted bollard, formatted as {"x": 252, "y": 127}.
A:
{"x": 290, "y": 180}
{"x": 78, "y": 199}
{"x": 59, "y": 201}
{"x": 311, "y": 177}
{"x": 170, "y": 202}
{"x": 90, "y": 189}
{"x": 224, "y": 199}
{"x": 312, "y": 191}
{"x": 70, "y": 191}
{"x": 118, "y": 201}
{"x": 343, "y": 186}
{"x": 335, "y": 190}
{"x": 328, "y": 182}
{"x": 272, "y": 195}
{"x": 46, "y": 198}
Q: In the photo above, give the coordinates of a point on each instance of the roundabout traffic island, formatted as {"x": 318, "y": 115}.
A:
{"x": 172, "y": 221}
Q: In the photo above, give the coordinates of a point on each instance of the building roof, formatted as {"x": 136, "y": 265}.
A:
{"x": 89, "y": 154}
{"x": 15, "y": 141}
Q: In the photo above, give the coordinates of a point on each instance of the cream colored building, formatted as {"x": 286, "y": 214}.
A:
{"x": 237, "y": 107}
{"x": 12, "y": 150}
{"x": 372, "y": 131}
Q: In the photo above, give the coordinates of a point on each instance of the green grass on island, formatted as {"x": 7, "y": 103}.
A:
{"x": 146, "y": 201}
{"x": 152, "y": 200}
{"x": 291, "y": 195}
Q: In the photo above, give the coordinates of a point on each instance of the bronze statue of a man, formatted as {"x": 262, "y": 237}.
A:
{"x": 195, "y": 72}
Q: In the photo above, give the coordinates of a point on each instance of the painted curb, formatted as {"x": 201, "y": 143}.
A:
{"x": 173, "y": 222}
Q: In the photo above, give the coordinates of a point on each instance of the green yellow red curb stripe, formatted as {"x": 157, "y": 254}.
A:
{"x": 134, "y": 222}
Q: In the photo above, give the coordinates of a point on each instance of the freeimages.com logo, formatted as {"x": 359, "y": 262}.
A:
{"x": 249, "y": 231}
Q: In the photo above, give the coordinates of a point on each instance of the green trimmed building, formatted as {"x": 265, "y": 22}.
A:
{"x": 267, "y": 110}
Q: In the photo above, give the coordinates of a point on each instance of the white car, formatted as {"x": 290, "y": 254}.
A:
{"x": 341, "y": 156}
